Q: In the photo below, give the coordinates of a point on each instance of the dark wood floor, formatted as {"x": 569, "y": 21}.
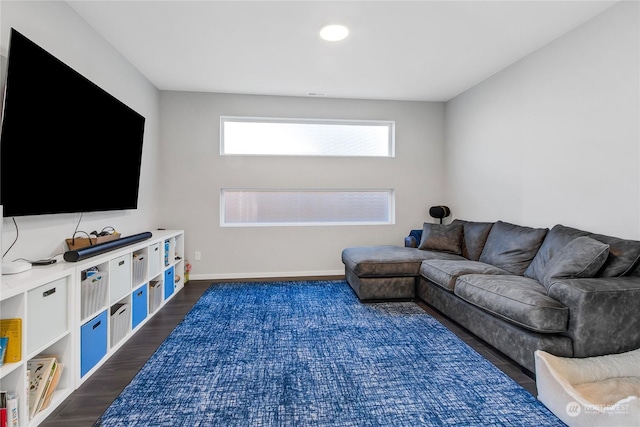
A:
{"x": 85, "y": 405}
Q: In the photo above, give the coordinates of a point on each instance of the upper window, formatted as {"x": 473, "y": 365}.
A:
{"x": 306, "y": 137}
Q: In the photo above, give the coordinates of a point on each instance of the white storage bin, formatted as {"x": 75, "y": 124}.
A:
{"x": 155, "y": 295}
{"x": 93, "y": 293}
{"x": 154, "y": 260}
{"x": 120, "y": 321}
{"x": 139, "y": 268}
{"x": 47, "y": 311}
{"x": 119, "y": 278}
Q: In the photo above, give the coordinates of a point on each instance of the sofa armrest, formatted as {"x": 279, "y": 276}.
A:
{"x": 604, "y": 313}
{"x": 413, "y": 239}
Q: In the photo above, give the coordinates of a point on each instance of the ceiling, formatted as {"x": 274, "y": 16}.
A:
{"x": 402, "y": 50}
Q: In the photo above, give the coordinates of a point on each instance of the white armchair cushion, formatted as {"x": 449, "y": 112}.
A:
{"x": 592, "y": 391}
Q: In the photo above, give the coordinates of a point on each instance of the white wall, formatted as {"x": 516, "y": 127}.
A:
{"x": 194, "y": 173}
{"x": 555, "y": 138}
{"x": 58, "y": 29}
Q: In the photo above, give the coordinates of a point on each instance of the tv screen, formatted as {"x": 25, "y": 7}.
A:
{"x": 66, "y": 145}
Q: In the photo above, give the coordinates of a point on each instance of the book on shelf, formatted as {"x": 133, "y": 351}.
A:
{"x": 42, "y": 371}
{"x": 8, "y": 409}
{"x": 48, "y": 394}
{"x": 12, "y": 329}
{"x": 13, "y": 419}
{"x": 3, "y": 409}
{"x": 3, "y": 349}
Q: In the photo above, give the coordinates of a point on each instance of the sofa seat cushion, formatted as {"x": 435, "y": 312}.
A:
{"x": 445, "y": 272}
{"x": 512, "y": 247}
{"x": 517, "y": 299}
{"x": 388, "y": 261}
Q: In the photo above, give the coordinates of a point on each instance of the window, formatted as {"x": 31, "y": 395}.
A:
{"x": 306, "y": 137}
{"x": 241, "y": 208}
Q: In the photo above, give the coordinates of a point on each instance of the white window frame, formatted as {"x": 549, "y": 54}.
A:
{"x": 383, "y": 123}
{"x": 390, "y": 209}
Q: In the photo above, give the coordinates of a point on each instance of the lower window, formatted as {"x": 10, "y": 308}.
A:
{"x": 248, "y": 208}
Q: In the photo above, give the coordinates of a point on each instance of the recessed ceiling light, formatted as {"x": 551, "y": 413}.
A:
{"x": 334, "y": 33}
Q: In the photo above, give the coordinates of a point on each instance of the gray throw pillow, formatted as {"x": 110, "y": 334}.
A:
{"x": 557, "y": 238}
{"x": 581, "y": 257}
{"x": 440, "y": 237}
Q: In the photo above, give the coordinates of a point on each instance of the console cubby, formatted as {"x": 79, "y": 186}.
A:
{"x": 155, "y": 260}
{"x": 65, "y": 310}
{"x": 62, "y": 350}
{"x": 139, "y": 267}
{"x": 139, "y": 306}
{"x": 155, "y": 294}
{"x": 119, "y": 277}
{"x": 169, "y": 282}
{"x": 94, "y": 288}
{"x": 47, "y": 313}
{"x": 43, "y": 300}
{"x": 119, "y": 321}
{"x": 93, "y": 342}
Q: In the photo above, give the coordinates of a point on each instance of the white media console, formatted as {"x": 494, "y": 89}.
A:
{"x": 83, "y": 312}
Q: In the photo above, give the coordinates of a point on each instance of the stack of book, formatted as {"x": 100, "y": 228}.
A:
{"x": 44, "y": 374}
{"x": 8, "y": 409}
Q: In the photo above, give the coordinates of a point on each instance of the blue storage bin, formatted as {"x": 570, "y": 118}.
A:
{"x": 93, "y": 342}
{"x": 139, "y": 303}
{"x": 168, "y": 282}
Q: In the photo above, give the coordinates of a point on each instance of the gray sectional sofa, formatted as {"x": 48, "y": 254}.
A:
{"x": 566, "y": 291}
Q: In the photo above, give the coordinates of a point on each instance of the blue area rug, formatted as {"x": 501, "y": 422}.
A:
{"x": 310, "y": 354}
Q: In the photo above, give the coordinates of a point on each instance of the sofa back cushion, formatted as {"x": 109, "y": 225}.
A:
{"x": 512, "y": 247}
{"x": 474, "y": 237}
{"x": 556, "y": 239}
{"x": 624, "y": 256}
{"x": 441, "y": 237}
{"x": 581, "y": 257}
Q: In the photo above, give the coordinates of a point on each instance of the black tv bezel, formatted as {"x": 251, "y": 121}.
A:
{"x": 81, "y": 185}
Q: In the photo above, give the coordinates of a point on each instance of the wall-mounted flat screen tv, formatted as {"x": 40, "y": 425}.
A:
{"x": 66, "y": 144}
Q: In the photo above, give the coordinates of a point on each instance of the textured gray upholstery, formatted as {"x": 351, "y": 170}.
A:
{"x": 486, "y": 292}
{"x": 381, "y": 288}
{"x": 624, "y": 256}
{"x": 445, "y": 272}
{"x": 557, "y": 238}
{"x": 581, "y": 257}
{"x": 441, "y": 237}
{"x": 376, "y": 261}
{"x": 605, "y": 313}
{"x": 512, "y": 247}
{"x": 517, "y": 299}
{"x": 516, "y": 342}
{"x": 474, "y": 237}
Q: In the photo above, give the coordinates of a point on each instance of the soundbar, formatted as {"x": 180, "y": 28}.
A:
{"x": 97, "y": 249}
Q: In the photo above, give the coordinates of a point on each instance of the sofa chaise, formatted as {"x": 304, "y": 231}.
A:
{"x": 565, "y": 291}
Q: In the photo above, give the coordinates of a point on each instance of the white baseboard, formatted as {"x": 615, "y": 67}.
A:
{"x": 291, "y": 274}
